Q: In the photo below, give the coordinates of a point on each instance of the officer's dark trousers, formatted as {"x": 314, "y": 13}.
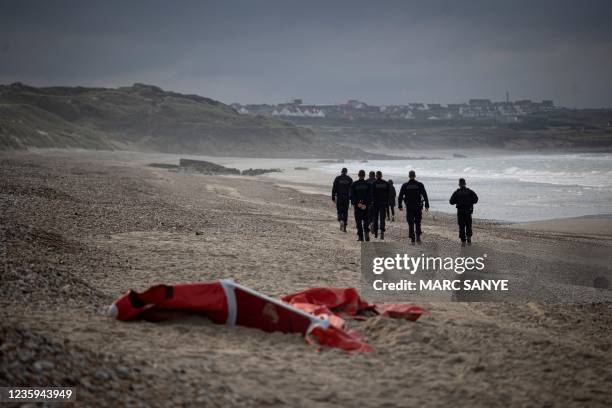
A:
{"x": 464, "y": 219}
{"x": 362, "y": 220}
{"x": 413, "y": 217}
{"x": 342, "y": 205}
{"x": 380, "y": 211}
{"x": 390, "y": 211}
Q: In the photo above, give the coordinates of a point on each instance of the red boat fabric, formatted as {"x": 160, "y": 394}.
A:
{"x": 400, "y": 311}
{"x": 338, "y": 300}
{"x": 316, "y": 313}
{"x": 338, "y": 338}
{"x": 321, "y": 311}
{"x": 162, "y": 302}
{"x": 257, "y": 312}
{"x": 346, "y": 301}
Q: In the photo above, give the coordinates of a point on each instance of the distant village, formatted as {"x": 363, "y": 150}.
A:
{"x": 508, "y": 111}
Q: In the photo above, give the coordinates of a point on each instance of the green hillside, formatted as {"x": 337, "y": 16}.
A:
{"x": 145, "y": 117}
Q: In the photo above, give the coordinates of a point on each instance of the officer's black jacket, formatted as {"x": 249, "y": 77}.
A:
{"x": 361, "y": 192}
{"x": 412, "y": 194}
{"x": 464, "y": 199}
{"x": 392, "y": 194}
{"x": 380, "y": 192}
{"x": 342, "y": 187}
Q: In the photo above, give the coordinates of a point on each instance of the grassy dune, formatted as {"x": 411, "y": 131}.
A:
{"x": 147, "y": 118}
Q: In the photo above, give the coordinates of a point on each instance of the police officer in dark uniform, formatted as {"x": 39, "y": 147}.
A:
{"x": 361, "y": 198}
{"x": 341, "y": 191}
{"x": 464, "y": 199}
{"x": 413, "y": 195}
{"x": 391, "y": 202}
{"x": 371, "y": 179}
{"x": 380, "y": 200}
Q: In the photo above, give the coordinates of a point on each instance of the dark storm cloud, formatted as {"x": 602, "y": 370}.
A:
{"x": 322, "y": 51}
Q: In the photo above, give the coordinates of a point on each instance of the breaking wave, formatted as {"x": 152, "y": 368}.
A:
{"x": 588, "y": 170}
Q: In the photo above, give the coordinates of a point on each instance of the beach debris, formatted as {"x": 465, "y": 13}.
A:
{"x": 319, "y": 314}
{"x": 257, "y": 172}
{"x": 168, "y": 166}
{"x": 205, "y": 167}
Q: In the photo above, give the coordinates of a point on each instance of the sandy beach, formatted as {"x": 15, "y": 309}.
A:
{"x": 588, "y": 226}
{"x": 78, "y": 229}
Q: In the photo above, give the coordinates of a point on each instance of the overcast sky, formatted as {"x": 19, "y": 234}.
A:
{"x": 381, "y": 52}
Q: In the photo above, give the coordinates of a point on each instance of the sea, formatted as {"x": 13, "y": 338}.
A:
{"x": 513, "y": 188}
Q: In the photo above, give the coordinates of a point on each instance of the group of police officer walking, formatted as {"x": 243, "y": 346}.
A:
{"x": 373, "y": 201}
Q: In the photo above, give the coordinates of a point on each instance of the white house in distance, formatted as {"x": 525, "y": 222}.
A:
{"x": 474, "y": 109}
{"x": 299, "y": 112}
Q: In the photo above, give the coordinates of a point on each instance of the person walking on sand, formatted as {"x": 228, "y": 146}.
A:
{"x": 413, "y": 195}
{"x": 380, "y": 198}
{"x": 361, "y": 199}
{"x": 391, "y": 202}
{"x": 340, "y": 195}
{"x": 464, "y": 199}
{"x": 371, "y": 179}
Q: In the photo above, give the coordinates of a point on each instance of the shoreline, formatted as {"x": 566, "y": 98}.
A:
{"x": 314, "y": 181}
{"x": 596, "y": 224}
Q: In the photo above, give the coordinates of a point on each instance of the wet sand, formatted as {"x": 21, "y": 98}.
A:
{"x": 586, "y": 226}
{"x": 79, "y": 229}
